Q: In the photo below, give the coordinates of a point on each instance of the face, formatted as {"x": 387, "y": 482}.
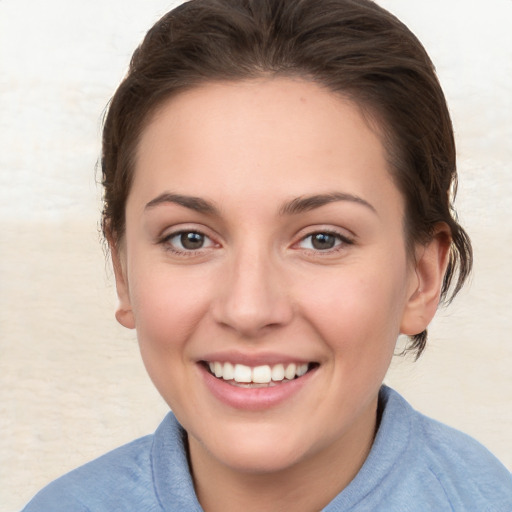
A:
{"x": 264, "y": 267}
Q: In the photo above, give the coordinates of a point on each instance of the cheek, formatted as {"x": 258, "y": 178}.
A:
{"x": 168, "y": 310}
{"x": 358, "y": 311}
{"x": 168, "y": 305}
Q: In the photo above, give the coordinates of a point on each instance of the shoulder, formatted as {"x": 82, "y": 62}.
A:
{"x": 120, "y": 477}
{"x": 470, "y": 477}
{"x": 140, "y": 476}
{"x": 466, "y": 470}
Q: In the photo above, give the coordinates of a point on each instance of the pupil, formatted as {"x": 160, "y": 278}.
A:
{"x": 323, "y": 241}
{"x": 192, "y": 240}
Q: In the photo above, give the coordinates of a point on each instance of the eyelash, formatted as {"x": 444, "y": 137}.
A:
{"x": 166, "y": 241}
{"x": 341, "y": 241}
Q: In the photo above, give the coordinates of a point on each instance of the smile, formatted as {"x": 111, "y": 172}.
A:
{"x": 257, "y": 386}
{"x": 264, "y": 375}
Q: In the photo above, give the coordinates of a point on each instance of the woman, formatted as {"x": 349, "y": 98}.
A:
{"x": 277, "y": 203}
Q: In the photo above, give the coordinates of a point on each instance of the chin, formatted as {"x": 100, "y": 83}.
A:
{"x": 257, "y": 450}
{"x": 260, "y": 461}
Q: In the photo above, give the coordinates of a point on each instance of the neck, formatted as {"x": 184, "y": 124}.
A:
{"x": 310, "y": 484}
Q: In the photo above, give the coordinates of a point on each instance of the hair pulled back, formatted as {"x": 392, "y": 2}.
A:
{"x": 351, "y": 47}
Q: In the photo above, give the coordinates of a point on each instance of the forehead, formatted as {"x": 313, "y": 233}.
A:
{"x": 260, "y": 135}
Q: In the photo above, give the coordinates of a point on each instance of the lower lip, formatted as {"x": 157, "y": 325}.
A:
{"x": 253, "y": 399}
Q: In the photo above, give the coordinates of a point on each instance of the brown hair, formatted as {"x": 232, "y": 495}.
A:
{"x": 352, "y": 47}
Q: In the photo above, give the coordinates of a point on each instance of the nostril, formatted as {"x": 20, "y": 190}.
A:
{"x": 251, "y": 302}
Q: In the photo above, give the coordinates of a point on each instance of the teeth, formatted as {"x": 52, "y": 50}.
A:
{"x": 289, "y": 373}
{"x": 277, "y": 372}
{"x": 264, "y": 374}
{"x": 228, "y": 371}
{"x": 302, "y": 370}
{"x": 261, "y": 374}
{"x": 242, "y": 373}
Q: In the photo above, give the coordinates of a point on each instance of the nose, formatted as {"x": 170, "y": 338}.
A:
{"x": 253, "y": 298}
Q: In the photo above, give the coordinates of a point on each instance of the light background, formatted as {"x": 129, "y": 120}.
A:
{"x": 71, "y": 382}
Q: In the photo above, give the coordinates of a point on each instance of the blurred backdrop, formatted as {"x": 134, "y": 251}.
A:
{"x": 72, "y": 385}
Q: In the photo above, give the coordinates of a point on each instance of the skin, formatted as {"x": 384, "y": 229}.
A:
{"x": 259, "y": 287}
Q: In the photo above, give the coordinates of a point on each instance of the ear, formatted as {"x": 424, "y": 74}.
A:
{"x": 424, "y": 295}
{"x": 124, "y": 313}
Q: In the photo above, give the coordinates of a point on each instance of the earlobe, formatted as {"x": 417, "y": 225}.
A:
{"x": 124, "y": 314}
{"x": 430, "y": 267}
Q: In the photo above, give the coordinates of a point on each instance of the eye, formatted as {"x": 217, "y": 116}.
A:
{"x": 323, "y": 241}
{"x": 185, "y": 241}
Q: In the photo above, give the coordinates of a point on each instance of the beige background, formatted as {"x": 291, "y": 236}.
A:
{"x": 71, "y": 382}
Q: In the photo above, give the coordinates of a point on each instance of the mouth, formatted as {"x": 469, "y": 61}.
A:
{"x": 262, "y": 376}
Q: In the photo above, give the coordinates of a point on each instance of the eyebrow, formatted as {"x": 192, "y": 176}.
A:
{"x": 307, "y": 203}
{"x": 193, "y": 203}
{"x": 293, "y": 207}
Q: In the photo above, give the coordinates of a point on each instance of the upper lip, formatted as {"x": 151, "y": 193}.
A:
{"x": 259, "y": 359}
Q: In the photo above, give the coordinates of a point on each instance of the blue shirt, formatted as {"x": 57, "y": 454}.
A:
{"x": 415, "y": 465}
